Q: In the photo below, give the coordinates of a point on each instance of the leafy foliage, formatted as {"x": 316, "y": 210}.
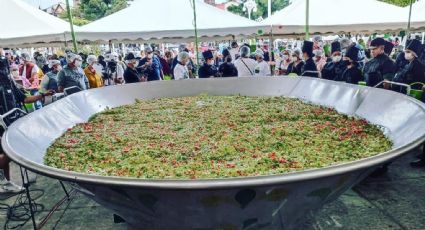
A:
{"x": 399, "y": 2}
{"x": 280, "y": 4}
{"x": 91, "y": 10}
{"x": 261, "y": 8}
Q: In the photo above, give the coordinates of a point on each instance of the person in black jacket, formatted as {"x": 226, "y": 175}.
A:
{"x": 352, "y": 74}
{"x": 297, "y": 63}
{"x": 310, "y": 68}
{"x": 227, "y": 69}
{"x": 131, "y": 75}
{"x": 208, "y": 69}
{"x": 334, "y": 69}
{"x": 415, "y": 70}
{"x": 381, "y": 67}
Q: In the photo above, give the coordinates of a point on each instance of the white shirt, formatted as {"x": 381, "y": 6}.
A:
{"x": 233, "y": 52}
{"x": 262, "y": 69}
{"x": 247, "y": 69}
{"x": 181, "y": 72}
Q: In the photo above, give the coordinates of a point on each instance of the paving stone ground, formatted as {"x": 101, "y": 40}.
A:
{"x": 393, "y": 201}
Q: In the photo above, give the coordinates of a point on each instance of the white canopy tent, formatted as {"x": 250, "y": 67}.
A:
{"x": 340, "y": 16}
{"x": 25, "y": 25}
{"x": 418, "y": 12}
{"x": 167, "y": 20}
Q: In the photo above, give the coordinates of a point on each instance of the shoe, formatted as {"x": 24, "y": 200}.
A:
{"x": 418, "y": 164}
{"x": 10, "y": 188}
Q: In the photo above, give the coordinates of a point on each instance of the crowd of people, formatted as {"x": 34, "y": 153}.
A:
{"x": 26, "y": 78}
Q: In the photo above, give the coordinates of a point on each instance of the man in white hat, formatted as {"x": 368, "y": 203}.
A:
{"x": 50, "y": 80}
{"x": 262, "y": 69}
{"x": 72, "y": 74}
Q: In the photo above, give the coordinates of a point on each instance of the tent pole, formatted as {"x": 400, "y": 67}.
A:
{"x": 196, "y": 32}
{"x": 307, "y": 18}
{"x": 71, "y": 23}
{"x": 410, "y": 18}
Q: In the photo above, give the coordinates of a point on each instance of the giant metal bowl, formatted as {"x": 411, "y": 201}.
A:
{"x": 265, "y": 202}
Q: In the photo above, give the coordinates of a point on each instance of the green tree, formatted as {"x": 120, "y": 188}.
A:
{"x": 91, "y": 10}
{"x": 262, "y": 10}
{"x": 402, "y": 3}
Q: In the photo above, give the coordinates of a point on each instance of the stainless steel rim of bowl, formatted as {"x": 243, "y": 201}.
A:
{"x": 214, "y": 183}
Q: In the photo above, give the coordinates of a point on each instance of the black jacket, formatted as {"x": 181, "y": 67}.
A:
{"x": 353, "y": 75}
{"x": 227, "y": 69}
{"x": 333, "y": 70}
{"x": 295, "y": 68}
{"x": 131, "y": 75}
{"x": 411, "y": 73}
{"x": 308, "y": 68}
{"x": 378, "y": 69}
{"x": 206, "y": 71}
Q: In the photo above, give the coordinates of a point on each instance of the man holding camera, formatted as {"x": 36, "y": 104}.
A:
{"x": 150, "y": 66}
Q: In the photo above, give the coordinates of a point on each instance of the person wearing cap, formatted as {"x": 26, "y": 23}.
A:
{"x": 150, "y": 66}
{"x": 208, "y": 70}
{"x": 190, "y": 66}
{"x": 50, "y": 80}
{"x": 131, "y": 75}
{"x": 415, "y": 70}
{"x": 352, "y": 73}
{"x": 72, "y": 75}
{"x": 297, "y": 63}
{"x": 244, "y": 64}
{"x": 227, "y": 69}
{"x": 29, "y": 73}
{"x": 309, "y": 69}
{"x": 181, "y": 71}
{"x": 262, "y": 69}
{"x": 380, "y": 67}
{"x": 92, "y": 73}
{"x": 334, "y": 69}
{"x": 283, "y": 63}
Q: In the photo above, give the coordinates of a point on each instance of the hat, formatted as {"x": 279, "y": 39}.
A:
{"x": 345, "y": 43}
{"x": 207, "y": 54}
{"x": 317, "y": 38}
{"x": 259, "y": 53}
{"x": 308, "y": 48}
{"x": 415, "y": 46}
{"x": 335, "y": 47}
{"x": 129, "y": 57}
{"x": 26, "y": 56}
{"x": 377, "y": 42}
{"x": 53, "y": 63}
{"x": 388, "y": 47}
{"x": 71, "y": 57}
{"x": 296, "y": 52}
{"x": 353, "y": 53}
{"x": 91, "y": 59}
{"x": 148, "y": 49}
